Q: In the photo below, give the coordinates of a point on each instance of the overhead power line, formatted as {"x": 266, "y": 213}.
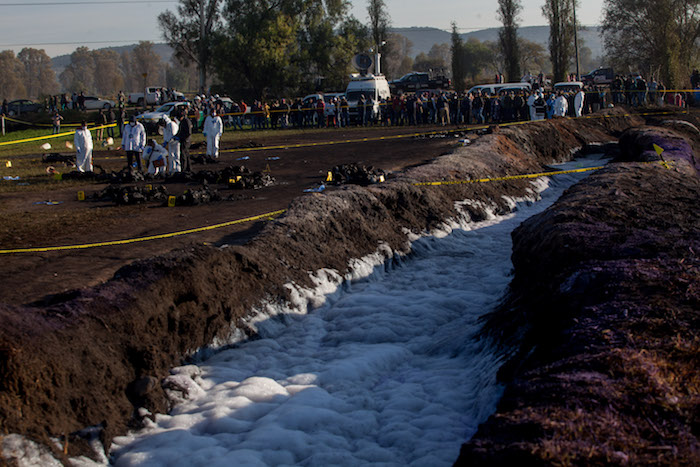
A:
{"x": 128, "y": 41}
{"x": 108, "y": 2}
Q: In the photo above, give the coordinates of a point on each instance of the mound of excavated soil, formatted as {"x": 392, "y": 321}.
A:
{"x": 92, "y": 356}
{"x": 607, "y": 340}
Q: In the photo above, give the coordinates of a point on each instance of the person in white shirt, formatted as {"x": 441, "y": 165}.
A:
{"x": 531, "y": 105}
{"x": 561, "y": 106}
{"x": 213, "y": 129}
{"x": 578, "y": 102}
{"x": 171, "y": 143}
{"x": 83, "y": 147}
{"x": 133, "y": 142}
{"x": 156, "y": 157}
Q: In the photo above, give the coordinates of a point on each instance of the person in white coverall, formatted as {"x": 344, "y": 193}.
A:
{"x": 133, "y": 142}
{"x": 531, "y": 105}
{"x": 578, "y": 102}
{"x": 213, "y": 129}
{"x": 156, "y": 157}
{"x": 171, "y": 143}
{"x": 561, "y": 106}
{"x": 83, "y": 147}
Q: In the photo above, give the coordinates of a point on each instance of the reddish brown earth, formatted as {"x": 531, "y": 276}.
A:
{"x": 91, "y": 356}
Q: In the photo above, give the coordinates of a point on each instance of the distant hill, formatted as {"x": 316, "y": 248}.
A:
{"x": 164, "y": 51}
{"x": 424, "y": 38}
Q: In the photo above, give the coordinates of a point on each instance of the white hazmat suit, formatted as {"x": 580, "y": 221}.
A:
{"x": 213, "y": 129}
{"x": 83, "y": 147}
{"x": 561, "y": 106}
{"x": 578, "y": 102}
{"x": 156, "y": 158}
{"x": 172, "y": 144}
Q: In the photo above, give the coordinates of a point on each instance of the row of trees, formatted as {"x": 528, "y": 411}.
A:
{"x": 276, "y": 47}
{"x": 28, "y": 74}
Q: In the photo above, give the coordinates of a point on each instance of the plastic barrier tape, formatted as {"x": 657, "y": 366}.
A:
{"x": 144, "y": 239}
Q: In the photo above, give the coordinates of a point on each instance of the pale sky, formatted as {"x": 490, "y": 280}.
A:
{"x": 60, "y": 29}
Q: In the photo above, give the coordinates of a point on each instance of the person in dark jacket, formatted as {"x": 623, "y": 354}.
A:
{"x": 184, "y": 135}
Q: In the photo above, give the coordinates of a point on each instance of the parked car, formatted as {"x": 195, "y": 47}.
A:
{"x": 154, "y": 93}
{"x": 599, "y": 76}
{"x": 20, "y": 106}
{"x": 150, "y": 119}
{"x": 327, "y": 98}
{"x": 416, "y": 81}
{"x": 95, "y": 103}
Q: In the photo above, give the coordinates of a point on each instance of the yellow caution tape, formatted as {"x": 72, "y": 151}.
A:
{"x": 58, "y": 135}
{"x": 144, "y": 239}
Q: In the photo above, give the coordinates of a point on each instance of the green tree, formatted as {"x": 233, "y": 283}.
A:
{"x": 258, "y": 46}
{"x": 438, "y": 59}
{"x": 39, "y": 77}
{"x": 11, "y": 78}
{"x": 478, "y": 56}
{"x": 653, "y": 35}
{"x": 508, "y": 11}
{"x": 192, "y": 33}
{"x": 459, "y": 70}
{"x": 560, "y": 15}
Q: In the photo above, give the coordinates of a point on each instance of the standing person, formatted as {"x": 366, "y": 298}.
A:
{"x": 81, "y": 101}
{"x": 110, "y": 120}
{"x": 83, "y": 148}
{"x": 561, "y": 106}
{"x": 531, "y": 105}
{"x": 121, "y": 100}
{"x": 184, "y": 136}
{"x": 579, "y": 100}
{"x": 213, "y": 129}
{"x": 100, "y": 122}
{"x": 133, "y": 142}
{"x": 171, "y": 143}
{"x": 121, "y": 121}
{"x": 56, "y": 120}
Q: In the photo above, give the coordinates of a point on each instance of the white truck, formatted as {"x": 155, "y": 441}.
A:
{"x": 374, "y": 88}
{"x": 154, "y": 95}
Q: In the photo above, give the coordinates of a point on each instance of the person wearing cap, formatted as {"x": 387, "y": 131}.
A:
{"x": 83, "y": 148}
{"x": 156, "y": 157}
{"x": 133, "y": 142}
{"x": 171, "y": 143}
{"x": 213, "y": 129}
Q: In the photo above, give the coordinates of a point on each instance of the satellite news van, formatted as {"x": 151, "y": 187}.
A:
{"x": 373, "y": 86}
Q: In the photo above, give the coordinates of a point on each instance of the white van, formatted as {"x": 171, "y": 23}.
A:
{"x": 568, "y": 86}
{"x": 374, "y": 88}
{"x": 492, "y": 89}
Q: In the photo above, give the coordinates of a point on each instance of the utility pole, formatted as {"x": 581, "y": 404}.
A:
{"x": 202, "y": 45}
{"x": 578, "y": 72}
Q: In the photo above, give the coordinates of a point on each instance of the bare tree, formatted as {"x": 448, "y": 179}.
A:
{"x": 11, "y": 82}
{"x": 108, "y": 76}
{"x": 79, "y": 75}
{"x": 39, "y": 77}
{"x": 379, "y": 22}
{"x": 653, "y": 35}
{"x": 508, "y": 11}
{"x": 191, "y": 34}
